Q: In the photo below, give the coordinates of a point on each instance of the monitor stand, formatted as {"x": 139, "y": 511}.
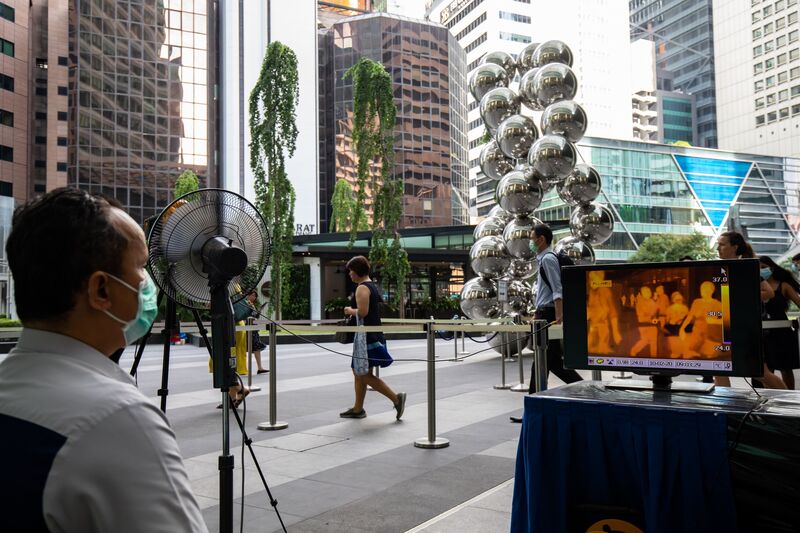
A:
{"x": 661, "y": 383}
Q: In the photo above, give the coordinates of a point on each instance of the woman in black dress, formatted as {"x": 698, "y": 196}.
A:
{"x": 781, "y": 350}
{"x": 368, "y": 301}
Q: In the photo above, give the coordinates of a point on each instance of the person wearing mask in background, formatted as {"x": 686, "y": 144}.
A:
{"x": 732, "y": 245}
{"x": 781, "y": 350}
{"x": 85, "y": 451}
{"x": 796, "y": 263}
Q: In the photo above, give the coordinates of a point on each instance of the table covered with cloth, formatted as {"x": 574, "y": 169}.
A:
{"x": 659, "y": 461}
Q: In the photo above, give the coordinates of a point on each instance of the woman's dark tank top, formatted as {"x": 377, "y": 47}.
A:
{"x": 776, "y": 307}
{"x": 373, "y": 317}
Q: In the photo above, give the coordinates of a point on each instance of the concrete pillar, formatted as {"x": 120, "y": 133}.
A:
{"x": 315, "y": 286}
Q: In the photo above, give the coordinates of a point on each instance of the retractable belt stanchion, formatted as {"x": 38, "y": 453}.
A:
{"x": 540, "y": 338}
{"x": 503, "y": 354}
{"x": 431, "y": 441}
{"x": 253, "y": 388}
{"x": 597, "y": 375}
{"x": 521, "y": 386}
{"x": 273, "y": 423}
{"x": 464, "y": 340}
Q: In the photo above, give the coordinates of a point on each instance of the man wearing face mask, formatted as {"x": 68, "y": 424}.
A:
{"x": 83, "y": 449}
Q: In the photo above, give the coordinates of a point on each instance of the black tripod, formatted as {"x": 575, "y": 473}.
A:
{"x": 224, "y": 378}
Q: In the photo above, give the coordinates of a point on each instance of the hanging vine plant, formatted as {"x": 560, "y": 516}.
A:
{"x": 273, "y": 135}
{"x": 345, "y": 209}
{"x": 374, "y": 118}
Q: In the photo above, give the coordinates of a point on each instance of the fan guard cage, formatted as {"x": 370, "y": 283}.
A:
{"x": 184, "y": 226}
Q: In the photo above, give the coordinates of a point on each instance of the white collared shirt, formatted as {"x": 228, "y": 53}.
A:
{"x": 86, "y": 451}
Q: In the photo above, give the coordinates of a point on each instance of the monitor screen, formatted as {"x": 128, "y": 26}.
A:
{"x": 698, "y": 317}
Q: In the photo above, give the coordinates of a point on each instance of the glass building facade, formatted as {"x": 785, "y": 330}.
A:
{"x": 684, "y": 37}
{"x": 138, "y": 98}
{"x": 426, "y": 65}
{"x": 653, "y": 188}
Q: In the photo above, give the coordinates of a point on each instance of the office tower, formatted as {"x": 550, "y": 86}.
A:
{"x": 597, "y": 33}
{"x": 427, "y": 68}
{"x": 683, "y": 35}
{"x": 14, "y": 74}
{"x": 758, "y": 76}
{"x": 138, "y": 98}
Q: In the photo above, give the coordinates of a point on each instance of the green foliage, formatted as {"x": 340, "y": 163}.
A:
{"x": 374, "y": 117}
{"x": 336, "y": 304}
{"x": 273, "y": 137}
{"x": 486, "y": 137}
{"x": 668, "y": 247}
{"x": 186, "y": 183}
{"x": 346, "y": 209}
{"x": 8, "y": 323}
{"x": 296, "y": 304}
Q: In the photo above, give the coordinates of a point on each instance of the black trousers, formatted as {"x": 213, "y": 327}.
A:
{"x": 555, "y": 355}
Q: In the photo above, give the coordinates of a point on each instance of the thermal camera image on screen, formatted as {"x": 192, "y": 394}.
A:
{"x": 672, "y": 317}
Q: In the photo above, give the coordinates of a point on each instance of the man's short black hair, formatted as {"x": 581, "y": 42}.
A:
{"x": 57, "y": 241}
{"x": 543, "y": 230}
{"x": 796, "y": 257}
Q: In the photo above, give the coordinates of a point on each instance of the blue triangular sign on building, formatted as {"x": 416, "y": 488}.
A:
{"x": 716, "y": 183}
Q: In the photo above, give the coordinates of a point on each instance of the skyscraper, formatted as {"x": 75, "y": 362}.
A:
{"x": 427, "y": 68}
{"x": 683, "y": 34}
{"x": 14, "y": 62}
{"x": 758, "y": 76}
{"x": 595, "y": 31}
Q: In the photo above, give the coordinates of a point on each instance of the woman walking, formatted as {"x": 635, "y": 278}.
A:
{"x": 781, "y": 350}
{"x": 367, "y": 308}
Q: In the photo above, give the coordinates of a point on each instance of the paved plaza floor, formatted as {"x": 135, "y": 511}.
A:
{"x": 330, "y": 474}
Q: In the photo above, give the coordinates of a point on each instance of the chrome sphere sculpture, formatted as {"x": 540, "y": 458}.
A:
{"x": 500, "y": 213}
{"x": 504, "y": 59}
{"x": 498, "y": 104}
{"x": 486, "y": 77}
{"x": 489, "y": 227}
{"x": 489, "y": 257}
{"x": 523, "y": 269}
{"x": 518, "y": 235}
{"x": 517, "y": 194}
{"x": 518, "y": 294}
{"x": 493, "y": 163}
{"x": 565, "y": 118}
{"x": 581, "y": 186}
{"x": 553, "y": 157}
{"x": 592, "y": 223}
{"x": 525, "y": 58}
{"x": 579, "y": 251}
{"x": 515, "y": 136}
{"x": 554, "y": 82}
{"x": 552, "y": 52}
{"x": 527, "y": 94}
{"x": 479, "y": 299}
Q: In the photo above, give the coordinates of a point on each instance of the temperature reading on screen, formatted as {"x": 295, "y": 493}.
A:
{"x": 719, "y": 279}
{"x": 723, "y": 347}
{"x": 717, "y": 314}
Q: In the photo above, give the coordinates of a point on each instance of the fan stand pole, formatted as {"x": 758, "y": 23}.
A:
{"x": 169, "y": 327}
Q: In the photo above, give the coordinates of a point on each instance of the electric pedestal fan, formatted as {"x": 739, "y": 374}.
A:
{"x": 209, "y": 248}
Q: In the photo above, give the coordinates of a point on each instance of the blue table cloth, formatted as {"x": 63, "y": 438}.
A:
{"x": 664, "y": 470}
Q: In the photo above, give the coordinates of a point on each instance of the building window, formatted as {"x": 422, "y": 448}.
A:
{"x": 780, "y": 42}
{"x": 791, "y": 18}
{"x": 6, "y": 153}
{"x": 758, "y": 68}
{"x": 515, "y": 17}
{"x": 769, "y": 46}
{"x": 780, "y": 5}
{"x": 6, "y": 82}
{"x": 61, "y": 141}
{"x": 783, "y": 77}
{"x": 781, "y": 59}
{"x": 770, "y": 81}
{"x": 62, "y": 90}
{"x": 793, "y": 35}
{"x": 40, "y": 163}
{"x": 759, "y": 103}
{"x": 474, "y": 44}
{"x": 757, "y": 33}
{"x": 6, "y": 188}
{"x": 62, "y": 115}
{"x": 771, "y": 99}
{"x": 783, "y": 113}
{"x": 61, "y": 166}
{"x": 769, "y": 64}
{"x": 768, "y": 28}
{"x": 6, "y": 118}
{"x": 515, "y": 37}
{"x": 41, "y": 91}
{"x": 6, "y": 47}
{"x": 794, "y": 73}
{"x": 39, "y": 139}
{"x": 40, "y": 115}
{"x": 6, "y": 12}
{"x": 780, "y": 24}
{"x": 767, "y": 11}
{"x": 39, "y": 187}
{"x": 758, "y": 85}
{"x": 772, "y": 116}
{"x": 783, "y": 95}
{"x": 41, "y": 63}
{"x": 796, "y": 110}
{"x": 63, "y": 61}
{"x": 794, "y": 55}
{"x": 758, "y": 50}
{"x": 757, "y": 16}
{"x": 472, "y": 25}
{"x": 795, "y": 91}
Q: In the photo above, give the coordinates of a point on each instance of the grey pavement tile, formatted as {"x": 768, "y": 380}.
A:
{"x": 472, "y": 520}
{"x": 300, "y": 442}
{"x": 314, "y": 525}
{"x": 309, "y": 498}
{"x": 499, "y": 500}
{"x": 256, "y": 520}
{"x": 368, "y": 473}
{"x": 506, "y": 449}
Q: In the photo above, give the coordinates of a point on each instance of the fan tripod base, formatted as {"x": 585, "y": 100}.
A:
{"x": 269, "y": 426}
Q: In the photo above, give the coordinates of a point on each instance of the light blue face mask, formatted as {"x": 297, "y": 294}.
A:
{"x": 135, "y": 329}
{"x": 766, "y": 273}
{"x": 794, "y": 267}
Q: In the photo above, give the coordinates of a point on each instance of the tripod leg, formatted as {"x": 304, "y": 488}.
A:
{"x": 143, "y": 341}
{"x": 249, "y": 442}
{"x": 169, "y": 327}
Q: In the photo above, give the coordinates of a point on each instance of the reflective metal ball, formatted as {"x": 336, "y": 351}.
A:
{"x": 489, "y": 257}
{"x": 579, "y": 251}
{"x": 518, "y": 297}
{"x": 485, "y": 78}
{"x": 565, "y": 118}
{"x": 581, "y": 186}
{"x": 525, "y": 58}
{"x": 515, "y": 136}
{"x": 504, "y": 59}
{"x": 593, "y": 223}
{"x": 517, "y": 194}
{"x": 527, "y": 94}
{"x": 493, "y": 163}
{"x": 518, "y": 235}
{"x": 552, "y": 157}
{"x": 554, "y": 82}
{"x": 479, "y": 299}
{"x": 522, "y": 268}
{"x": 489, "y": 226}
{"x": 500, "y": 213}
{"x": 498, "y": 104}
{"x": 552, "y": 52}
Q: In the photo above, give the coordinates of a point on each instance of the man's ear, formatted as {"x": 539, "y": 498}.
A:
{"x": 97, "y": 291}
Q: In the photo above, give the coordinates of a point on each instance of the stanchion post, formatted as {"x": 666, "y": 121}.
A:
{"x": 431, "y": 441}
{"x": 273, "y": 423}
{"x": 503, "y": 352}
{"x": 540, "y": 338}
{"x": 597, "y": 375}
{"x": 521, "y": 386}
